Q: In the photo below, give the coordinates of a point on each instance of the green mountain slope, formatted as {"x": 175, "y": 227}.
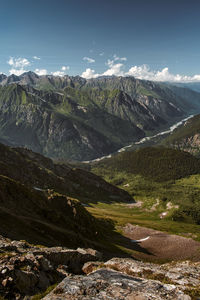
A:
{"x": 165, "y": 182}
{"x": 186, "y": 137}
{"x": 59, "y": 126}
{"x": 73, "y": 118}
{"x": 44, "y": 203}
{"x": 158, "y": 164}
{"x": 37, "y": 171}
{"x": 44, "y": 219}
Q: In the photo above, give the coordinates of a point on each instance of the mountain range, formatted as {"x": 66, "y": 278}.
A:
{"x": 78, "y": 119}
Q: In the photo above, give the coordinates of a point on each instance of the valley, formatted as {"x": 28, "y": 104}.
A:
{"x": 71, "y": 118}
{"x": 100, "y": 150}
{"x": 145, "y": 140}
{"x": 95, "y": 164}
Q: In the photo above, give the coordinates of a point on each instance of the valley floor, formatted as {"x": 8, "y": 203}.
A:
{"x": 168, "y": 240}
{"x": 161, "y": 245}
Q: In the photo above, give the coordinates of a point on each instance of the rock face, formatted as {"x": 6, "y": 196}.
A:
{"x": 28, "y": 270}
{"x": 182, "y": 274}
{"x": 109, "y": 284}
{"x": 123, "y": 279}
{"x": 186, "y": 137}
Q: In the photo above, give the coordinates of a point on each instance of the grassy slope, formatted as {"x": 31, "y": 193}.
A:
{"x": 48, "y": 217}
{"x": 189, "y": 129}
{"x": 41, "y": 172}
{"x": 42, "y": 218}
{"x": 159, "y": 164}
{"x": 179, "y": 190}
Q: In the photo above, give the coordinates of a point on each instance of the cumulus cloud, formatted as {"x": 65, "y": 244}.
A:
{"x": 61, "y": 72}
{"x": 36, "y": 58}
{"x": 89, "y": 73}
{"x": 116, "y": 66}
{"x": 41, "y": 72}
{"x": 114, "y": 69}
{"x": 144, "y": 72}
{"x": 18, "y": 62}
{"x": 17, "y": 72}
{"x": 101, "y": 54}
{"x": 89, "y": 60}
{"x": 18, "y": 65}
{"x": 58, "y": 73}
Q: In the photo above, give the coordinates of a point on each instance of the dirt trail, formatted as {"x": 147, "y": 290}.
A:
{"x": 161, "y": 245}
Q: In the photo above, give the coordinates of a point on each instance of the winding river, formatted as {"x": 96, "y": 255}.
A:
{"x": 143, "y": 140}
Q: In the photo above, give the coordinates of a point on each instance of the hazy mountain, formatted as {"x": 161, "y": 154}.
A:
{"x": 195, "y": 86}
{"x": 73, "y": 118}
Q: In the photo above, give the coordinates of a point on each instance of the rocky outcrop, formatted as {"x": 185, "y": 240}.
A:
{"x": 122, "y": 279}
{"x": 186, "y": 137}
{"x": 27, "y": 270}
{"x": 190, "y": 144}
{"x": 108, "y": 284}
{"x": 183, "y": 274}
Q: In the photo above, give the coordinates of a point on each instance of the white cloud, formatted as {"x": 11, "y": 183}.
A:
{"x": 89, "y": 73}
{"x": 115, "y": 58}
{"x": 36, "y": 58}
{"x": 41, "y": 72}
{"x": 17, "y": 72}
{"x": 144, "y": 72}
{"x": 89, "y": 60}
{"x": 58, "y": 73}
{"x": 18, "y": 65}
{"x": 18, "y": 62}
{"x": 141, "y": 72}
{"x": 65, "y": 68}
{"x": 101, "y": 54}
{"x": 114, "y": 69}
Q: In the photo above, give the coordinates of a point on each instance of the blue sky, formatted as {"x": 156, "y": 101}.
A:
{"x": 150, "y": 39}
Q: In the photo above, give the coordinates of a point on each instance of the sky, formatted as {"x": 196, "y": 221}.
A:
{"x": 149, "y": 39}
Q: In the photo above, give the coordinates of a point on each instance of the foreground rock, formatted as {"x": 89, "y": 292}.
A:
{"x": 28, "y": 270}
{"x": 108, "y": 284}
{"x": 182, "y": 274}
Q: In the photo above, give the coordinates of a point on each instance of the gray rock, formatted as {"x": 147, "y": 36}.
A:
{"x": 107, "y": 284}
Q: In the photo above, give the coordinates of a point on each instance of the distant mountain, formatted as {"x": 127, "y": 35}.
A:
{"x": 78, "y": 119}
{"x": 195, "y": 86}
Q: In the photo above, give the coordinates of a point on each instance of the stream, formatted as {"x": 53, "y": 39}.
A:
{"x": 143, "y": 140}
